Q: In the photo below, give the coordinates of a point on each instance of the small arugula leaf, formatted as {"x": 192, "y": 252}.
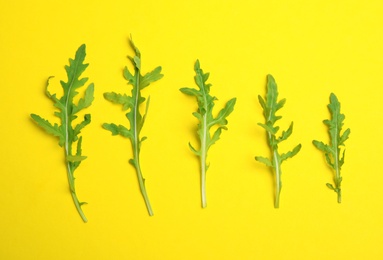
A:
{"x": 286, "y": 134}
{"x": 113, "y": 128}
{"x": 269, "y": 128}
{"x": 79, "y": 127}
{"x": 341, "y": 161}
{"x": 344, "y": 136}
{"x": 129, "y": 76}
{"x": 118, "y": 130}
{"x": 150, "y": 77}
{"x": 270, "y": 106}
{"x": 191, "y": 92}
{"x": 78, "y": 153}
{"x": 198, "y": 153}
{"x": 86, "y": 101}
{"x": 144, "y": 116}
{"x": 264, "y": 160}
{"x": 204, "y": 114}
{"x": 291, "y": 153}
{"x": 49, "y": 128}
{"x": 322, "y": 146}
{"x": 75, "y": 158}
{"x": 215, "y": 136}
{"x": 224, "y": 113}
{"x": 124, "y": 100}
{"x": 136, "y": 119}
{"x": 329, "y": 185}
{"x": 332, "y": 151}
{"x": 67, "y": 134}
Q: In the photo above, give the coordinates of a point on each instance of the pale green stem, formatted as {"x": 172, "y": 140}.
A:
{"x": 203, "y": 164}
{"x": 337, "y": 182}
{"x": 203, "y": 154}
{"x": 339, "y": 196}
{"x": 141, "y": 180}
{"x": 278, "y": 181}
{"x": 336, "y": 164}
{"x": 68, "y": 151}
{"x": 278, "y": 172}
{"x": 337, "y": 175}
{"x": 73, "y": 191}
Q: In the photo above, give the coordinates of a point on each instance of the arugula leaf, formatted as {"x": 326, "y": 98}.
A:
{"x": 206, "y": 121}
{"x": 332, "y": 151}
{"x": 67, "y": 134}
{"x": 136, "y": 119}
{"x": 270, "y": 106}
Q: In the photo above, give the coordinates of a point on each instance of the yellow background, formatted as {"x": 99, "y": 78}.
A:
{"x": 312, "y": 48}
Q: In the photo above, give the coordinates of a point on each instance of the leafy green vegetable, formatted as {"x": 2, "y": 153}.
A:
{"x": 206, "y": 121}
{"x": 68, "y": 135}
{"x": 334, "y": 156}
{"x": 136, "y": 119}
{"x": 270, "y": 106}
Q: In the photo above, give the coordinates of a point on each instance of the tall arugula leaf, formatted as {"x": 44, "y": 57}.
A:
{"x": 270, "y": 106}
{"x": 68, "y": 110}
{"x": 206, "y": 120}
{"x": 136, "y": 119}
{"x": 334, "y": 156}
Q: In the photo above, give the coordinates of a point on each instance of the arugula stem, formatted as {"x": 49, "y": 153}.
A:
{"x": 336, "y": 164}
{"x": 203, "y": 165}
{"x": 203, "y": 154}
{"x": 78, "y": 207}
{"x": 141, "y": 180}
{"x": 278, "y": 182}
{"x": 337, "y": 181}
{"x": 203, "y": 188}
{"x": 277, "y": 166}
{"x": 73, "y": 190}
{"x": 277, "y": 169}
{"x": 68, "y": 152}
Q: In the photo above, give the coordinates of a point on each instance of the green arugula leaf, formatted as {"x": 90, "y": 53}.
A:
{"x": 150, "y": 77}
{"x": 264, "y": 160}
{"x": 75, "y": 158}
{"x": 67, "y": 134}
{"x": 49, "y": 128}
{"x": 124, "y": 100}
{"x": 86, "y": 101}
{"x": 270, "y": 106}
{"x": 332, "y": 151}
{"x": 136, "y": 119}
{"x": 206, "y": 121}
{"x": 291, "y": 153}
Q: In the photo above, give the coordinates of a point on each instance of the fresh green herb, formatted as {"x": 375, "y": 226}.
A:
{"x": 67, "y": 113}
{"x": 333, "y": 154}
{"x": 136, "y": 119}
{"x": 270, "y": 106}
{"x": 206, "y": 121}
